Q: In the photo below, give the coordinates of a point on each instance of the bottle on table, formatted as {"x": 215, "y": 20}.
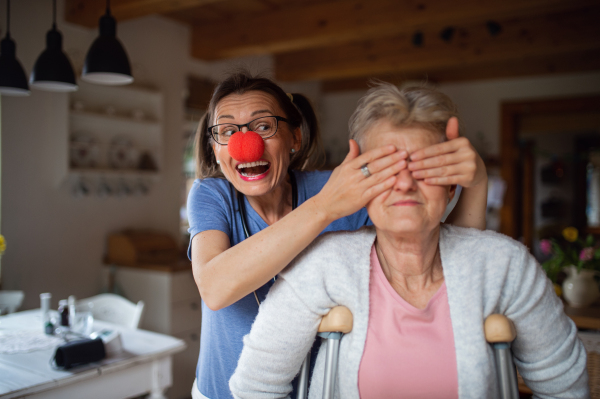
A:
{"x": 45, "y": 305}
{"x": 63, "y": 312}
{"x": 71, "y": 302}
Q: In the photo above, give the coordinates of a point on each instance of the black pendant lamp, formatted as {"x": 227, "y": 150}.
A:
{"x": 13, "y": 81}
{"x": 52, "y": 70}
{"x": 106, "y": 62}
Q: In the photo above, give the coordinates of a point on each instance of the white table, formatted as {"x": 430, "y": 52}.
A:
{"x": 143, "y": 366}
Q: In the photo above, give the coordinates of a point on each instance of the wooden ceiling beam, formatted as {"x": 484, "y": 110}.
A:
{"x": 550, "y": 35}
{"x": 529, "y": 66}
{"x": 341, "y": 21}
{"x": 87, "y": 12}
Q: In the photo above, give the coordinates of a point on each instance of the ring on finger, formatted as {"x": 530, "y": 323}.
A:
{"x": 365, "y": 170}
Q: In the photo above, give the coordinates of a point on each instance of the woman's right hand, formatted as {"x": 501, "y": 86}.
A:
{"x": 348, "y": 190}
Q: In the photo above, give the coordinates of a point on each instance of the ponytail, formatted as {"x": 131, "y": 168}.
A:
{"x": 311, "y": 155}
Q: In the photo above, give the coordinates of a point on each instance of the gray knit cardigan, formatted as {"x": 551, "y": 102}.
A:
{"x": 485, "y": 273}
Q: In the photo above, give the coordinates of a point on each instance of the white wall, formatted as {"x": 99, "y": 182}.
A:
{"x": 55, "y": 241}
{"x": 335, "y": 111}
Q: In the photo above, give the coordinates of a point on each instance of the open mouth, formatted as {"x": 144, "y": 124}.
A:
{"x": 253, "y": 169}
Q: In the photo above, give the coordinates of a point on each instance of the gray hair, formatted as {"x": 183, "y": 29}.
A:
{"x": 411, "y": 106}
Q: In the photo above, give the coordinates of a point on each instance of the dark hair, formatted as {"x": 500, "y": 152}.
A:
{"x": 297, "y": 110}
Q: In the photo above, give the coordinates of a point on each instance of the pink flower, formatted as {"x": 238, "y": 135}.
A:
{"x": 586, "y": 254}
{"x": 546, "y": 247}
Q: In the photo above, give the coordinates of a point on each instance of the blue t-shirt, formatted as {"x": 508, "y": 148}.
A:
{"x": 212, "y": 205}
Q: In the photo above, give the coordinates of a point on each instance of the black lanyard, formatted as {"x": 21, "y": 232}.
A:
{"x": 242, "y": 204}
{"x": 242, "y": 209}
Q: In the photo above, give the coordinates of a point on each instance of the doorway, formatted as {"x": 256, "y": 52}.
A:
{"x": 549, "y": 149}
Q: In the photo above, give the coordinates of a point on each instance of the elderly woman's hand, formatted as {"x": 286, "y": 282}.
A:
{"x": 348, "y": 189}
{"x": 452, "y": 162}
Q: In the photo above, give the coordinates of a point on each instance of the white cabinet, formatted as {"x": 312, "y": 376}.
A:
{"x": 172, "y": 306}
{"x": 115, "y": 140}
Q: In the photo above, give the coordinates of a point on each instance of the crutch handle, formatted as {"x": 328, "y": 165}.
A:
{"x": 339, "y": 319}
{"x": 499, "y": 328}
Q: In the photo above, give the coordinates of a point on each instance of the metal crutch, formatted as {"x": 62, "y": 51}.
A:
{"x": 333, "y": 325}
{"x": 500, "y": 332}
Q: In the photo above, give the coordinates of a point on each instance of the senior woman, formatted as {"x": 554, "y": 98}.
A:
{"x": 419, "y": 290}
{"x": 255, "y": 207}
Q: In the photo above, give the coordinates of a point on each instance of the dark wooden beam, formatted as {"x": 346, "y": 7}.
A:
{"x": 520, "y": 38}
{"x": 529, "y": 66}
{"x": 342, "y": 21}
{"x": 87, "y": 12}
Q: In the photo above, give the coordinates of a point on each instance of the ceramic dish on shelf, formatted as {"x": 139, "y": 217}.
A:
{"x": 138, "y": 115}
{"x": 110, "y": 110}
{"x": 77, "y": 105}
{"x": 83, "y": 151}
{"x": 82, "y": 187}
{"x": 122, "y": 154}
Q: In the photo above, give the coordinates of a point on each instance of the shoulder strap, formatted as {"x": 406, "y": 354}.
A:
{"x": 242, "y": 203}
{"x": 242, "y": 210}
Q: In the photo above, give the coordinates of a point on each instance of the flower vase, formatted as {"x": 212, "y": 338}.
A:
{"x": 579, "y": 288}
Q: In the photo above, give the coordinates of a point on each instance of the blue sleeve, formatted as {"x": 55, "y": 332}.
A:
{"x": 207, "y": 209}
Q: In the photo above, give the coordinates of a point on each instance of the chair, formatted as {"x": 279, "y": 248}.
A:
{"x": 116, "y": 309}
{"x": 10, "y": 301}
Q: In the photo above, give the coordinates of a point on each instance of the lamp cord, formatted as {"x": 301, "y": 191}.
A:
{"x": 54, "y": 14}
{"x": 7, "y": 18}
{"x": 108, "y": 6}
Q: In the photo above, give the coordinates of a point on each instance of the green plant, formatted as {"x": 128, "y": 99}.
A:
{"x": 583, "y": 254}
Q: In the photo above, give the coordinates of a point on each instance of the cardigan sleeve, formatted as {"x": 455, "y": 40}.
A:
{"x": 275, "y": 348}
{"x": 547, "y": 351}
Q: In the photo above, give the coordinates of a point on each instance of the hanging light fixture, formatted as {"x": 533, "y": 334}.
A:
{"x": 13, "y": 81}
{"x": 106, "y": 62}
{"x": 52, "y": 70}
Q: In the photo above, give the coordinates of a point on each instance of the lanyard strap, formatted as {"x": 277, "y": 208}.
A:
{"x": 242, "y": 210}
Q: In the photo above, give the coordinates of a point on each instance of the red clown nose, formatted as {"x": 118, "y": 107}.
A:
{"x": 246, "y": 147}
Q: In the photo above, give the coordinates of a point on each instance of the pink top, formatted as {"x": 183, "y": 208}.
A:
{"x": 408, "y": 351}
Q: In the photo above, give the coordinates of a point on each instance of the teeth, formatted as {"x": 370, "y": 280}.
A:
{"x": 252, "y": 164}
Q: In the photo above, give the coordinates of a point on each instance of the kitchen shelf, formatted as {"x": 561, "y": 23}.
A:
{"x": 114, "y": 126}
{"x": 89, "y": 116}
{"x": 105, "y": 172}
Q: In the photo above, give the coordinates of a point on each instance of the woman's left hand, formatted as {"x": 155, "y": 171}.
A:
{"x": 452, "y": 162}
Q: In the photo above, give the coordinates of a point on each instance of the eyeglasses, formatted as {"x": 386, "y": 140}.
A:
{"x": 265, "y": 126}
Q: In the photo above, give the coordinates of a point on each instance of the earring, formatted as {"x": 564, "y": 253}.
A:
{"x": 293, "y": 151}
{"x": 218, "y": 162}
